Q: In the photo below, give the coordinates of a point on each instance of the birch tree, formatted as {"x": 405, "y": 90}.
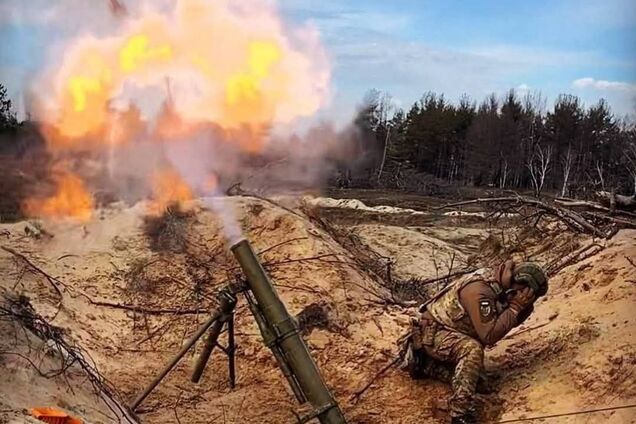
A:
{"x": 567, "y": 162}
{"x": 539, "y": 166}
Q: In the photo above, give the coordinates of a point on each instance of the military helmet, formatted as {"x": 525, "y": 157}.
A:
{"x": 533, "y": 276}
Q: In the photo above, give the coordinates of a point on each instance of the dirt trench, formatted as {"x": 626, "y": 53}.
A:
{"x": 576, "y": 352}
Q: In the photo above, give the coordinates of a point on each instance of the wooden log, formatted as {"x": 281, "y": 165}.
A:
{"x": 620, "y": 201}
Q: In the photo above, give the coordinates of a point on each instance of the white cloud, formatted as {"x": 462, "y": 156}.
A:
{"x": 604, "y": 85}
{"x": 620, "y": 95}
{"x": 523, "y": 89}
{"x": 520, "y": 55}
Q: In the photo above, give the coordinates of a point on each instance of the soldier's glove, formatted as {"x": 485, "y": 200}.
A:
{"x": 522, "y": 299}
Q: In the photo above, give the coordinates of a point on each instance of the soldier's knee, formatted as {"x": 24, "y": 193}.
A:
{"x": 473, "y": 350}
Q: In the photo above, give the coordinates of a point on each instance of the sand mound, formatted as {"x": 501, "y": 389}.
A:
{"x": 327, "y": 202}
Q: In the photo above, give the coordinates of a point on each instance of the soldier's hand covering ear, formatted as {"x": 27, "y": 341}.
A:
{"x": 522, "y": 299}
{"x": 505, "y": 272}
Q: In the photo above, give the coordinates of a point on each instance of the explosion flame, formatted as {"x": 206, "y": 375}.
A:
{"x": 70, "y": 200}
{"x": 166, "y": 74}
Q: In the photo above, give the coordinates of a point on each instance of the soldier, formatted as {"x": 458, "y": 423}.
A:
{"x": 470, "y": 313}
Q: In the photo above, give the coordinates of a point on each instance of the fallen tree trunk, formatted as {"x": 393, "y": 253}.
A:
{"x": 586, "y": 204}
{"x": 571, "y": 218}
{"x": 618, "y": 200}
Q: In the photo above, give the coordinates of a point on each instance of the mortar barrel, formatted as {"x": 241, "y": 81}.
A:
{"x": 288, "y": 338}
{"x": 269, "y": 339}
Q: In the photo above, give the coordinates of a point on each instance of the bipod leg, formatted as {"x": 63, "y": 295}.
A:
{"x": 189, "y": 343}
{"x": 210, "y": 343}
{"x": 227, "y": 301}
{"x": 230, "y": 351}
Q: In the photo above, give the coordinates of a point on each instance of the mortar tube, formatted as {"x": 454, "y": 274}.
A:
{"x": 269, "y": 338}
{"x": 288, "y": 338}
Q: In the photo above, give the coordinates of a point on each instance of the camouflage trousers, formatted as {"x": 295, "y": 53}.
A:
{"x": 449, "y": 347}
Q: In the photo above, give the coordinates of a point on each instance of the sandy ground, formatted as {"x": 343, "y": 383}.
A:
{"x": 577, "y": 351}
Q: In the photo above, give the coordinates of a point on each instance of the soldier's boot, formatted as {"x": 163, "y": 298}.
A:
{"x": 469, "y": 417}
{"x": 463, "y": 420}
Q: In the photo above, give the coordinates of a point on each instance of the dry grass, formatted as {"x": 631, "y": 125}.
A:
{"x": 168, "y": 232}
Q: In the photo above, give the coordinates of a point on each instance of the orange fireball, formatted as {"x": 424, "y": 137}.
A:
{"x": 239, "y": 68}
{"x": 182, "y": 72}
{"x": 168, "y": 189}
{"x": 71, "y": 199}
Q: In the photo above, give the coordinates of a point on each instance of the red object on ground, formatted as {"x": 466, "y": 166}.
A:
{"x": 53, "y": 416}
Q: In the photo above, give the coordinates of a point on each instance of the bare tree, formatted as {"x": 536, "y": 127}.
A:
{"x": 567, "y": 161}
{"x": 386, "y": 146}
{"x": 600, "y": 172}
{"x": 383, "y": 109}
{"x": 539, "y": 166}
{"x": 505, "y": 170}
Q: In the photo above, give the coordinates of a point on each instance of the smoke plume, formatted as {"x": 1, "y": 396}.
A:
{"x": 169, "y": 100}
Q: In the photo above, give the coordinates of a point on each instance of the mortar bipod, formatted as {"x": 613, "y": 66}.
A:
{"x": 227, "y": 302}
{"x": 212, "y": 340}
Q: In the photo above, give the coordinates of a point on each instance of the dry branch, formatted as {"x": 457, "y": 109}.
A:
{"x": 21, "y": 311}
{"x": 574, "y": 257}
{"x": 322, "y": 258}
{"x": 134, "y": 308}
{"x": 355, "y": 397}
{"x": 525, "y": 330}
{"x": 236, "y": 189}
{"x": 149, "y": 311}
{"x": 476, "y": 201}
{"x": 622, "y": 222}
{"x": 572, "y": 219}
{"x": 632, "y": 263}
{"x": 52, "y": 280}
{"x": 448, "y": 276}
{"x": 575, "y": 203}
{"x": 281, "y": 244}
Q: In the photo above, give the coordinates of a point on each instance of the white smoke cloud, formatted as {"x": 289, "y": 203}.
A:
{"x": 149, "y": 98}
{"x": 595, "y": 84}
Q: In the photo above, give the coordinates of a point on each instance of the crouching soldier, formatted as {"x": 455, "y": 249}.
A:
{"x": 470, "y": 313}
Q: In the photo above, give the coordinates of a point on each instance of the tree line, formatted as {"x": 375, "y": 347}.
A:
{"x": 513, "y": 142}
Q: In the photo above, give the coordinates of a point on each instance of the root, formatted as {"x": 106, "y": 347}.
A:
{"x": 19, "y": 310}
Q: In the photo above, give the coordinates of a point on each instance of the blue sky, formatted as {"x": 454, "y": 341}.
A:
{"x": 407, "y": 47}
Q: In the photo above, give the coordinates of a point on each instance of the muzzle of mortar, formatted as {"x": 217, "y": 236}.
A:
{"x": 288, "y": 346}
